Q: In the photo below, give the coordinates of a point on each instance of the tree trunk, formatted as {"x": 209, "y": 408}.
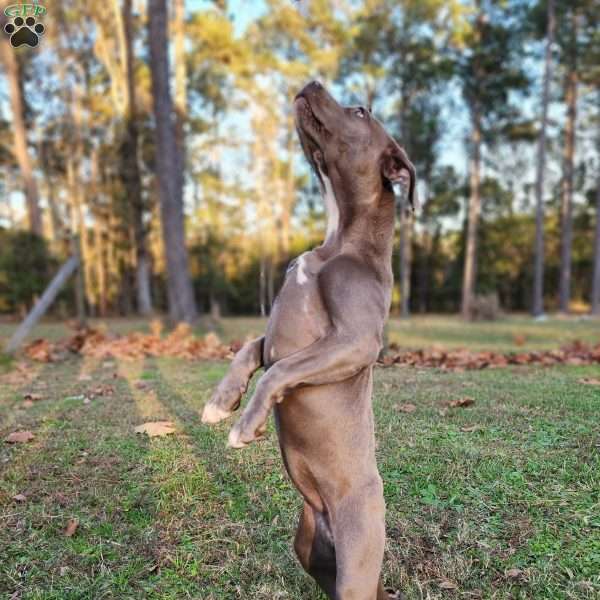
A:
{"x": 79, "y": 282}
{"x": 182, "y": 305}
{"x": 79, "y": 227}
{"x": 405, "y": 258}
{"x": 596, "y": 277}
{"x": 423, "y": 272}
{"x": 271, "y": 266}
{"x": 11, "y": 67}
{"x": 43, "y": 304}
{"x": 101, "y": 274}
{"x": 180, "y": 86}
{"x": 473, "y": 215}
{"x": 56, "y": 225}
{"x": 215, "y": 308}
{"x": 538, "y": 272}
{"x": 424, "y": 256}
{"x": 566, "y": 209}
{"x": 288, "y": 196}
{"x": 131, "y": 174}
{"x": 262, "y": 285}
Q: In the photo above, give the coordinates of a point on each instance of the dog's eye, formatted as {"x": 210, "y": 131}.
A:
{"x": 360, "y": 112}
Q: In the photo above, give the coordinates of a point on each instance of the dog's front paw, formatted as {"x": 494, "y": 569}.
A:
{"x": 213, "y": 413}
{"x": 225, "y": 399}
{"x": 241, "y": 435}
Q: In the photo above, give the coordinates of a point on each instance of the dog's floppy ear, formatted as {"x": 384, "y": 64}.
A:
{"x": 397, "y": 168}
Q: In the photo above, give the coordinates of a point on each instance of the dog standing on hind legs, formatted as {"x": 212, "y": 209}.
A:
{"x": 323, "y": 337}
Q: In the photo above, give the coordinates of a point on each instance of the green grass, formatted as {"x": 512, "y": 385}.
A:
{"x": 501, "y": 335}
{"x": 183, "y": 517}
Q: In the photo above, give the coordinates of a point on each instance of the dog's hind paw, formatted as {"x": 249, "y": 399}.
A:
{"x": 394, "y": 595}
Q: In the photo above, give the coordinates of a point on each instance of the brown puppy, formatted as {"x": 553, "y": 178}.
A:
{"x": 323, "y": 337}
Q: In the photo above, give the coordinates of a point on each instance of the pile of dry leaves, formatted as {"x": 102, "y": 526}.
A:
{"x": 180, "y": 343}
{"x": 576, "y": 353}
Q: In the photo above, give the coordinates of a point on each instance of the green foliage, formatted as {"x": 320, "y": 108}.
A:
{"x": 25, "y": 269}
{"x": 489, "y": 64}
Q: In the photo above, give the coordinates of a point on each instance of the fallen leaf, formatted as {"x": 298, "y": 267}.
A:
{"x": 40, "y": 350}
{"x": 142, "y": 385}
{"x": 103, "y": 390}
{"x": 27, "y": 403}
{"x": 87, "y": 401}
{"x": 32, "y": 397}
{"x": 446, "y": 584}
{"x": 407, "y": 408}
{"x": 590, "y": 381}
{"x": 17, "y": 437}
{"x": 514, "y": 573}
{"x": 156, "y": 328}
{"x": 71, "y": 527}
{"x": 61, "y": 499}
{"x": 470, "y": 428}
{"x": 156, "y": 428}
{"x": 519, "y": 339}
{"x": 20, "y": 498}
{"x": 85, "y": 377}
{"x": 63, "y": 571}
{"x": 461, "y": 403}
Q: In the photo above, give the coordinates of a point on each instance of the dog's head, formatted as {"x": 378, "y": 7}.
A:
{"x": 349, "y": 146}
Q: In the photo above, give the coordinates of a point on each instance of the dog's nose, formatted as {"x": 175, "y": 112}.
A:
{"x": 313, "y": 87}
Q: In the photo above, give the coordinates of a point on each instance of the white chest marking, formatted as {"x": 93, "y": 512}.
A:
{"x": 301, "y": 276}
{"x": 333, "y": 213}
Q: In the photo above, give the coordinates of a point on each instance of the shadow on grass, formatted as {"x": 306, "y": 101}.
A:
{"x": 85, "y": 463}
{"x": 254, "y": 502}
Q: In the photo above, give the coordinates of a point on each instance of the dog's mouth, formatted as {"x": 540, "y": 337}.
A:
{"x": 305, "y": 115}
{"x": 310, "y": 131}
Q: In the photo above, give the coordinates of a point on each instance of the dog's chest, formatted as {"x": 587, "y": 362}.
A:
{"x": 298, "y": 316}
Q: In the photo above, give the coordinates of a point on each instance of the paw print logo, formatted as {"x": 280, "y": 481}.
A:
{"x": 24, "y": 31}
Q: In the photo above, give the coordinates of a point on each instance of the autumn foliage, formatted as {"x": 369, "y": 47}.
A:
{"x": 180, "y": 343}
{"x": 576, "y": 353}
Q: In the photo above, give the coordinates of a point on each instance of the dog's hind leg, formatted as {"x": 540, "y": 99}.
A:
{"x": 358, "y": 527}
{"x": 226, "y": 398}
{"x": 315, "y": 550}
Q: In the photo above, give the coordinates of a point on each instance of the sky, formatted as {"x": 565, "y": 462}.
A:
{"x": 242, "y": 11}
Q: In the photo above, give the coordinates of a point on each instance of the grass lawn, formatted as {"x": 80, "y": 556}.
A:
{"x": 497, "y": 500}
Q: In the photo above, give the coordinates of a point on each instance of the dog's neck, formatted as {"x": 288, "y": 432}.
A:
{"x": 368, "y": 225}
{"x": 331, "y": 207}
